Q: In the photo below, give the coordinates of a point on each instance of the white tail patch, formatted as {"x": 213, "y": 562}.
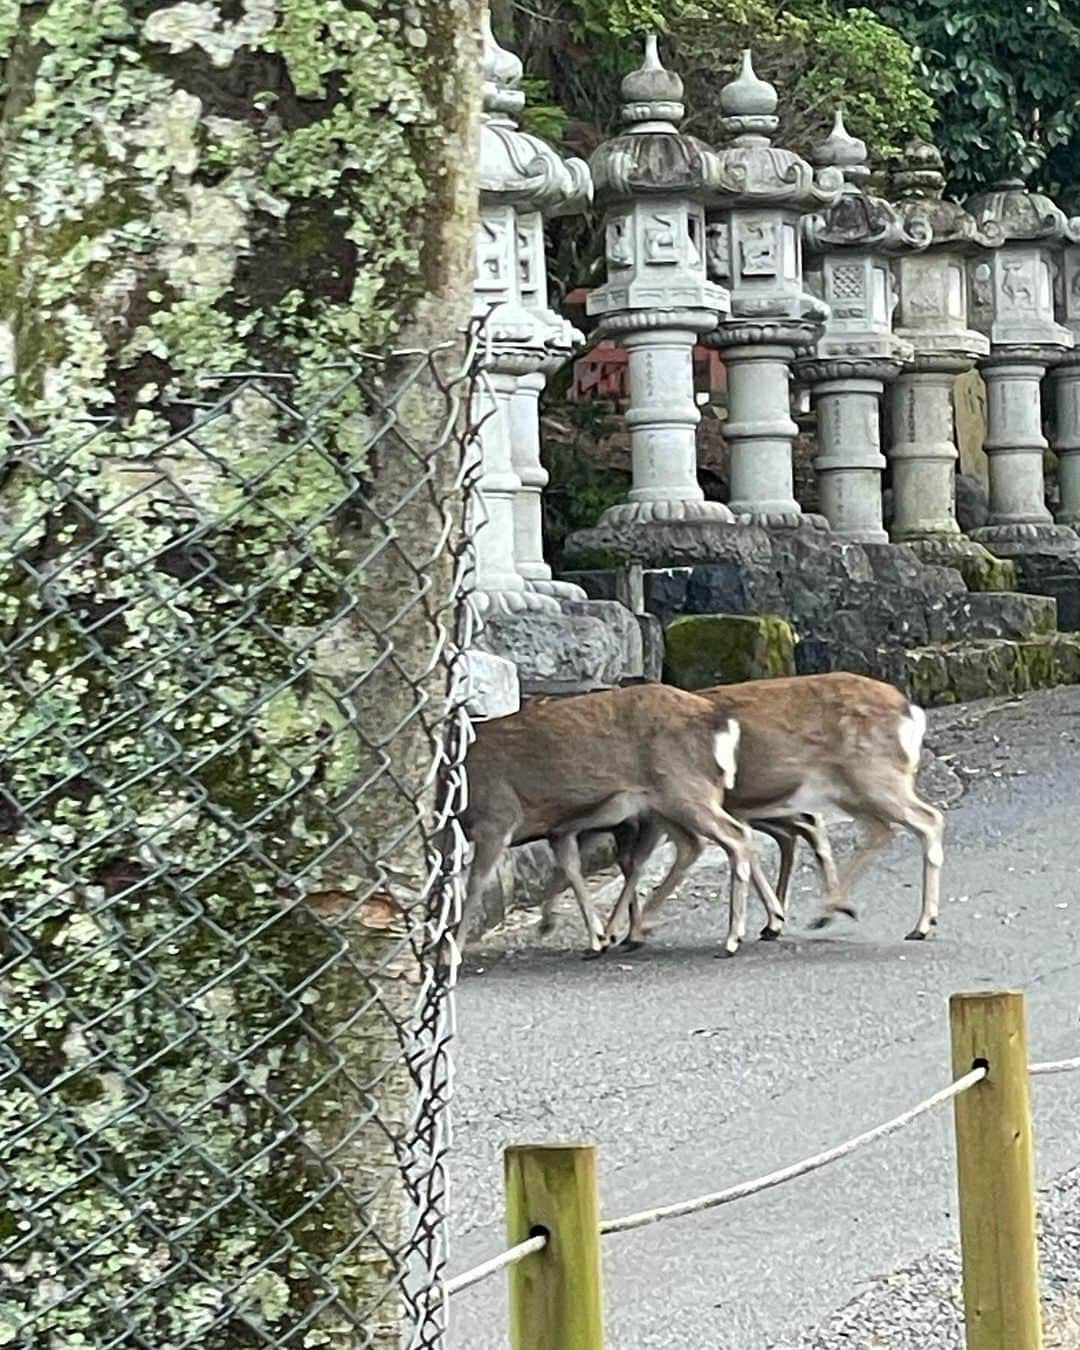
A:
{"x": 726, "y": 750}
{"x": 910, "y": 734}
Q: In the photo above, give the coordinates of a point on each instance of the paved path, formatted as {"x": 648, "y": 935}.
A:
{"x": 691, "y": 1073}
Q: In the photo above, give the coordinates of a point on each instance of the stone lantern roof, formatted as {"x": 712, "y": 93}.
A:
{"x": 751, "y": 170}
{"x": 652, "y": 155}
{"x": 516, "y": 169}
{"x": 858, "y": 219}
{"x": 1023, "y": 215}
{"x": 919, "y": 183}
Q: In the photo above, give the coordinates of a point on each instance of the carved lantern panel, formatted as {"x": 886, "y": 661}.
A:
{"x": 1011, "y": 296}
{"x": 655, "y": 252}
{"x": 758, "y": 256}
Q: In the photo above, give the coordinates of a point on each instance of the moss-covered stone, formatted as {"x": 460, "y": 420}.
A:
{"x": 707, "y": 649}
{"x": 963, "y": 671}
{"x": 981, "y": 570}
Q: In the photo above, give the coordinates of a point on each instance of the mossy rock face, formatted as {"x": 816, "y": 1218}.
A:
{"x": 707, "y": 649}
{"x": 959, "y": 672}
{"x": 983, "y": 572}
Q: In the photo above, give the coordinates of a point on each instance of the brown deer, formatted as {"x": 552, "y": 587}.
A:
{"x": 809, "y": 744}
{"x": 560, "y": 768}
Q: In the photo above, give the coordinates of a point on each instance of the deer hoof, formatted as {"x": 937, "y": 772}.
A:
{"x": 771, "y": 934}
{"x": 915, "y": 936}
{"x": 822, "y": 921}
{"x": 594, "y": 954}
{"x": 725, "y": 953}
{"x": 849, "y": 910}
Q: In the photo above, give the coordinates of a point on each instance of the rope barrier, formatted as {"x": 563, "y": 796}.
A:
{"x": 645, "y": 1217}
{"x": 1055, "y": 1066}
{"x": 799, "y": 1169}
{"x": 497, "y": 1263}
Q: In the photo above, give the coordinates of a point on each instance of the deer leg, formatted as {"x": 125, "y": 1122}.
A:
{"x": 735, "y": 838}
{"x": 688, "y": 849}
{"x": 879, "y": 832}
{"x": 786, "y": 839}
{"x": 812, "y": 829}
{"x": 488, "y": 848}
{"x": 569, "y": 859}
{"x": 635, "y": 849}
{"x": 929, "y": 825}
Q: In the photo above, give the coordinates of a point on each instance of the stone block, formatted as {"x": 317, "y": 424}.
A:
{"x": 665, "y": 591}
{"x": 982, "y": 614}
{"x": 972, "y": 502}
{"x": 652, "y": 647}
{"x": 556, "y": 653}
{"x": 488, "y": 684}
{"x": 962, "y": 671}
{"x": 663, "y": 544}
{"x": 623, "y": 627}
{"x": 708, "y": 649}
{"x": 597, "y": 584}
{"x": 1066, "y": 592}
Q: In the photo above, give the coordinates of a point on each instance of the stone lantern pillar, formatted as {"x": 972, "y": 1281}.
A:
{"x": 755, "y": 249}
{"x": 560, "y": 339}
{"x": 521, "y": 177}
{"x": 652, "y": 182}
{"x": 932, "y": 314}
{"x": 1066, "y": 384}
{"x": 1012, "y": 302}
{"x": 848, "y": 252}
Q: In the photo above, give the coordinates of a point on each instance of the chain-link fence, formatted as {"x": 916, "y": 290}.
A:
{"x": 231, "y": 761}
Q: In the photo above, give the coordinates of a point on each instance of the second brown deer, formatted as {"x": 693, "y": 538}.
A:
{"x": 809, "y": 745}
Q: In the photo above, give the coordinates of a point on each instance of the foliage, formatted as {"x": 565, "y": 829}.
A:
{"x": 1004, "y": 77}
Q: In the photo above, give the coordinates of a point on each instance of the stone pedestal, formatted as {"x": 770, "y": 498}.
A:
{"x": 1066, "y": 382}
{"x": 533, "y": 477}
{"x": 923, "y": 452}
{"x": 1015, "y": 444}
{"x": 662, "y": 418}
{"x": 499, "y": 586}
{"x": 847, "y": 396}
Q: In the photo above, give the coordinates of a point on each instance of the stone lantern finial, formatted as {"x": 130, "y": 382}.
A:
{"x": 840, "y": 150}
{"x": 921, "y": 173}
{"x": 502, "y": 72}
{"x": 749, "y": 106}
{"x": 652, "y": 95}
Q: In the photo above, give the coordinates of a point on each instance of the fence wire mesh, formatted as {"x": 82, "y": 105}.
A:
{"x": 232, "y": 756}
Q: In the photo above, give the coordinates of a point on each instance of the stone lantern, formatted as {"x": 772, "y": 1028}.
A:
{"x": 1066, "y": 384}
{"x": 932, "y": 314}
{"x": 849, "y": 248}
{"x": 755, "y": 249}
{"x": 1012, "y": 303}
{"x": 652, "y": 182}
{"x": 521, "y": 179}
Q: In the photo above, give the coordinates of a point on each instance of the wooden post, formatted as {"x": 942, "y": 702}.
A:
{"x": 556, "y": 1296}
{"x": 996, "y": 1174}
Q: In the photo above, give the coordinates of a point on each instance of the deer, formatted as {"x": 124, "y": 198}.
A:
{"x": 559, "y": 769}
{"x": 808, "y": 744}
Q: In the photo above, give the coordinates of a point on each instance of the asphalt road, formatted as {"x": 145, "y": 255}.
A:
{"x": 691, "y": 1073}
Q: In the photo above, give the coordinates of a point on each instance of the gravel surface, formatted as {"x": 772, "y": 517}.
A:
{"x": 921, "y": 1307}
{"x": 692, "y": 1073}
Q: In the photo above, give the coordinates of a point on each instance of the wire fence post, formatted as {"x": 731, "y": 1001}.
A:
{"x": 556, "y": 1295}
{"x": 996, "y": 1174}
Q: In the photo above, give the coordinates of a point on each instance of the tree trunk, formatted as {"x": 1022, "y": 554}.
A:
{"x": 223, "y": 614}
